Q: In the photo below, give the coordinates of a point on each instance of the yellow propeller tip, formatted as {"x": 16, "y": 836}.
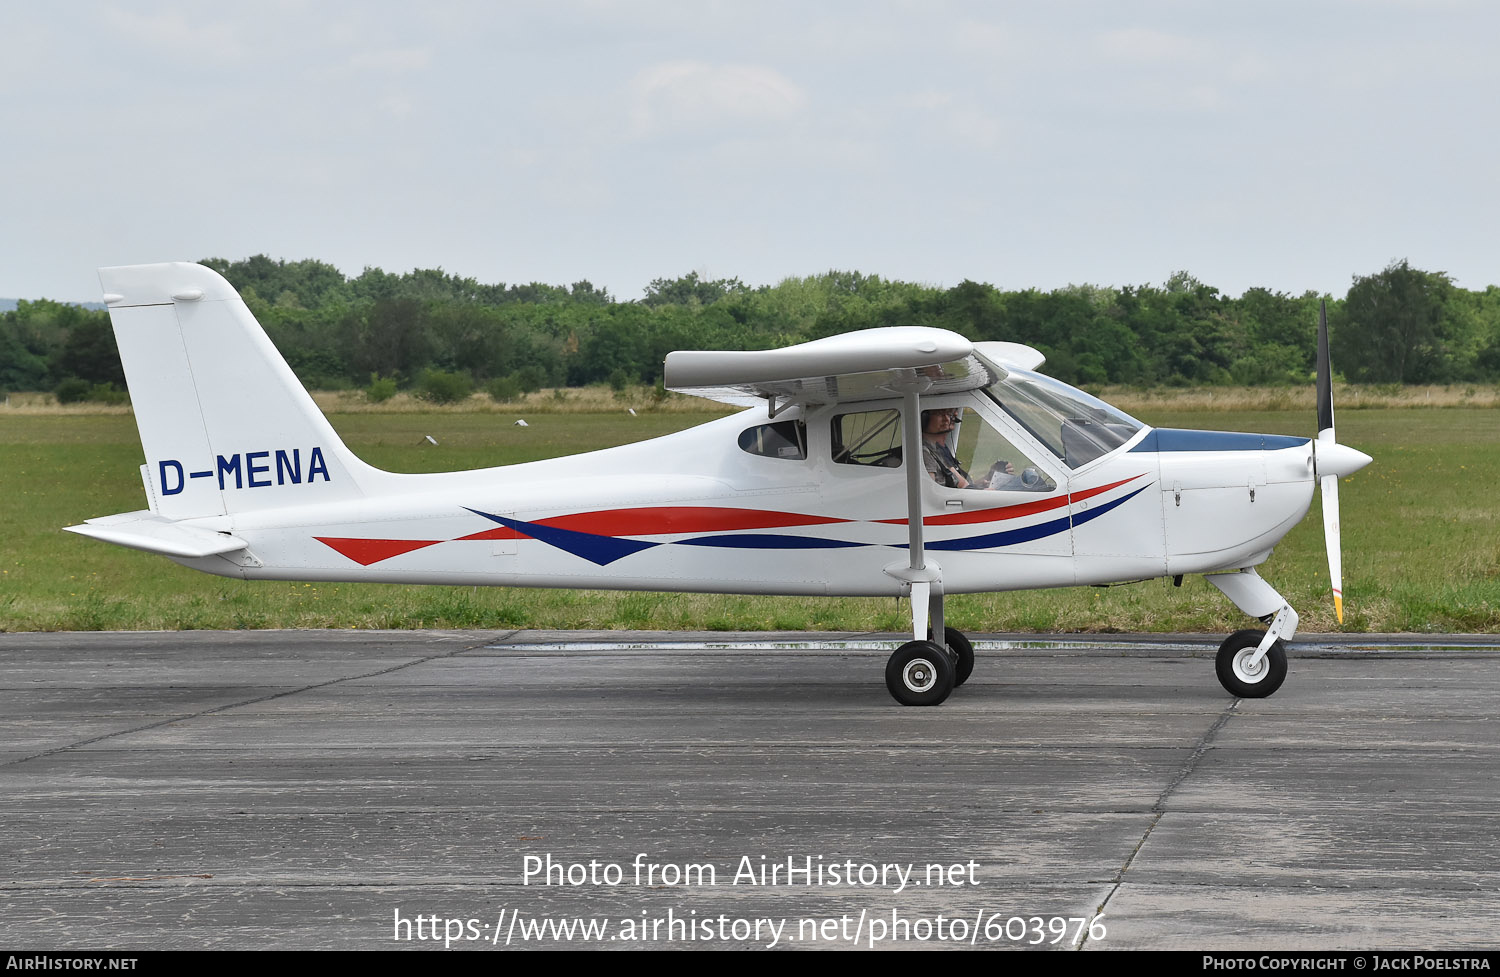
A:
{"x": 1338, "y": 607}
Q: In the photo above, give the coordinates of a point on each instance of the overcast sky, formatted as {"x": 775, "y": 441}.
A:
{"x": 1286, "y": 145}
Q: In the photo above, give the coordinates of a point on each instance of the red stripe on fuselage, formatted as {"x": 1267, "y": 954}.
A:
{"x": 1013, "y": 511}
{"x": 499, "y": 532}
{"x": 367, "y": 551}
{"x": 658, "y": 520}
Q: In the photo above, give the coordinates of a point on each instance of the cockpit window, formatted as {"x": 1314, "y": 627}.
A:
{"x": 1077, "y": 428}
{"x": 784, "y": 439}
{"x": 868, "y": 438}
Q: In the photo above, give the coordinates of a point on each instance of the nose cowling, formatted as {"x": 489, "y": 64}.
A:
{"x": 1339, "y": 460}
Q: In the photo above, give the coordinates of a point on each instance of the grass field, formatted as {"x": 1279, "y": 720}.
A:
{"x": 1421, "y": 539}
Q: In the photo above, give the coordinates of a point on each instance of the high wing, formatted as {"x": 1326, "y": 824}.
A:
{"x": 871, "y": 365}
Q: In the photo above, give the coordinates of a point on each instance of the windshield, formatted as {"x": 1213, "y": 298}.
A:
{"x": 1077, "y": 427}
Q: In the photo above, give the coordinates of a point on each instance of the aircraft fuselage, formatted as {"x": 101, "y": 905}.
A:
{"x": 711, "y": 517}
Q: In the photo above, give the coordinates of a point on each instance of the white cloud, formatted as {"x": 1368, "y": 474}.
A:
{"x": 397, "y": 104}
{"x": 1142, "y": 44}
{"x": 993, "y": 40}
{"x": 926, "y": 101}
{"x": 678, "y": 93}
{"x": 191, "y": 38}
{"x": 392, "y": 62}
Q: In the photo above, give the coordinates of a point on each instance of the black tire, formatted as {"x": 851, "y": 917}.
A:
{"x": 1229, "y": 665}
{"x": 963, "y": 652}
{"x": 919, "y": 673}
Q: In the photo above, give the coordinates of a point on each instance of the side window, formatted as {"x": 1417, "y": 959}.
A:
{"x": 961, "y": 450}
{"x": 784, "y": 439}
{"x": 871, "y": 438}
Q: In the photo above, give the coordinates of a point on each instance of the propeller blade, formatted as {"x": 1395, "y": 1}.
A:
{"x": 1331, "y": 534}
{"x": 1331, "y": 461}
{"x": 1325, "y": 377}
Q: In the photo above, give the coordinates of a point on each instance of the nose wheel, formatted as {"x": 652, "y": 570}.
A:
{"x": 1241, "y": 675}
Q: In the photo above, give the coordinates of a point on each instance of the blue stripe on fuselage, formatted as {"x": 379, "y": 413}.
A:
{"x": 1028, "y": 533}
{"x": 769, "y": 541}
{"x": 602, "y": 550}
{"x": 1172, "y": 439}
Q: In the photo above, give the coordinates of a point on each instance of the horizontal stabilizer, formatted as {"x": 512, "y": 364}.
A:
{"x": 144, "y": 531}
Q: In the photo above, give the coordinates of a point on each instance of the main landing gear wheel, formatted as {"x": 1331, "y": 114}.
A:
{"x": 919, "y": 673}
{"x": 1235, "y": 672}
{"x": 963, "y": 651}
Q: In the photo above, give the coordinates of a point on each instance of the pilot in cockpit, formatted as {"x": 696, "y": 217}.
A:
{"x": 937, "y": 428}
{"x": 939, "y": 435}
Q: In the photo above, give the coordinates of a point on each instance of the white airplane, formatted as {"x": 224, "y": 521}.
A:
{"x": 1020, "y": 481}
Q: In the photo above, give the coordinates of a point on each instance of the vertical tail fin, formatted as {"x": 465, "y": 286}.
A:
{"x": 225, "y": 424}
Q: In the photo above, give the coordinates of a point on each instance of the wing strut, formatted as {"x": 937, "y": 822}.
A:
{"x": 924, "y": 576}
{"x": 911, "y": 436}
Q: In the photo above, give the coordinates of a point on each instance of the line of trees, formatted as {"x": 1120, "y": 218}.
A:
{"x": 1397, "y": 325}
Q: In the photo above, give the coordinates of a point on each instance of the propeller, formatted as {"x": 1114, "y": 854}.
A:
{"x": 1331, "y": 461}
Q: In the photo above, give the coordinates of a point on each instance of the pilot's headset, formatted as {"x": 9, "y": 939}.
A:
{"x": 957, "y": 414}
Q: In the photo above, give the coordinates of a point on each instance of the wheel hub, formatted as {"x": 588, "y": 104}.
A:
{"x": 919, "y": 675}
{"x": 1248, "y": 669}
